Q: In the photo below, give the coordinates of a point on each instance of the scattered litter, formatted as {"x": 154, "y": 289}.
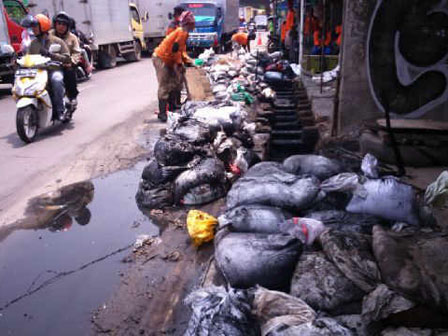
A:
{"x": 201, "y": 227}
{"x": 217, "y": 311}
{"x": 305, "y": 229}
{"x": 436, "y": 193}
{"x": 369, "y": 166}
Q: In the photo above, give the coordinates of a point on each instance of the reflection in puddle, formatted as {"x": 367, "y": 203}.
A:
{"x": 63, "y": 260}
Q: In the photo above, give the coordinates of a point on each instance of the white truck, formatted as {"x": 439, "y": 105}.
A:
{"x": 115, "y": 26}
{"x": 159, "y": 15}
{"x": 216, "y": 22}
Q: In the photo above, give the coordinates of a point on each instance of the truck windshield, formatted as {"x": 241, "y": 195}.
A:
{"x": 201, "y": 9}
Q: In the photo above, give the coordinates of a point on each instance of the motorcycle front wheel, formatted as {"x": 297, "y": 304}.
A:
{"x": 27, "y": 123}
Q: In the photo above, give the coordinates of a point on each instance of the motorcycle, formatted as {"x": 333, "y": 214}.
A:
{"x": 34, "y": 107}
{"x": 84, "y": 68}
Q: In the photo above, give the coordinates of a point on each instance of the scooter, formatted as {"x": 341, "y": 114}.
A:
{"x": 84, "y": 68}
{"x": 34, "y": 107}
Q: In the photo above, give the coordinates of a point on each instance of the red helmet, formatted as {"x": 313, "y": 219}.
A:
{"x": 44, "y": 23}
{"x": 186, "y": 18}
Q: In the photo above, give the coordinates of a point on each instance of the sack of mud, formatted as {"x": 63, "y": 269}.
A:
{"x": 347, "y": 222}
{"x": 319, "y": 283}
{"x": 156, "y": 174}
{"x": 387, "y": 198}
{"x": 276, "y": 309}
{"x": 254, "y": 218}
{"x": 248, "y": 259}
{"x": 343, "y": 182}
{"x": 273, "y": 190}
{"x": 414, "y": 265}
{"x": 204, "y": 183}
{"x": 170, "y": 150}
{"x": 218, "y": 312}
{"x": 352, "y": 254}
{"x": 194, "y": 131}
{"x": 316, "y": 165}
{"x": 154, "y": 197}
{"x": 436, "y": 193}
{"x": 272, "y": 169}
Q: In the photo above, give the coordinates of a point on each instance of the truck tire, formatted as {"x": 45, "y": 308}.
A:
{"x": 27, "y": 123}
{"x": 107, "y": 60}
{"x": 136, "y": 55}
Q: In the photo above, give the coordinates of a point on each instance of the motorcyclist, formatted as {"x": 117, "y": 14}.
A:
{"x": 41, "y": 45}
{"x": 169, "y": 59}
{"x": 27, "y": 33}
{"x": 83, "y": 44}
{"x": 174, "y": 24}
{"x": 61, "y": 28}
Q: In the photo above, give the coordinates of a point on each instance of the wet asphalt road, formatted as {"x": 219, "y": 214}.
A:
{"x": 111, "y": 98}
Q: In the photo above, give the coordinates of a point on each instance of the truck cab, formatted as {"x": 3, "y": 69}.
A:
{"x": 14, "y": 11}
{"x": 7, "y": 51}
{"x": 137, "y": 27}
{"x": 209, "y": 24}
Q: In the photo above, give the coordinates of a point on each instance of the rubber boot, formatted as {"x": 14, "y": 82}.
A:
{"x": 172, "y": 102}
{"x": 163, "y": 106}
{"x": 177, "y": 100}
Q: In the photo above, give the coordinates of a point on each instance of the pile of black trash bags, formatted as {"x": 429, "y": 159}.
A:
{"x": 203, "y": 151}
{"x": 248, "y": 76}
{"x": 307, "y": 248}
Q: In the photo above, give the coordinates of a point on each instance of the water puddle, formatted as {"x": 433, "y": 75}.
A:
{"x": 64, "y": 260}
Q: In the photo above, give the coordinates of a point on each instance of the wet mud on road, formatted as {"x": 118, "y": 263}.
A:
{"x": 71, "y": 268}
{"x": 64, "y": 260}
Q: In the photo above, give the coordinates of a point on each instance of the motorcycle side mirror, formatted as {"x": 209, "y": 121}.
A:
{"x": 54, "y": 48}
{"x": 170, "y": 16}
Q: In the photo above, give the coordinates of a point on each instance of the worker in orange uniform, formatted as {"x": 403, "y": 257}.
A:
{"x": 283, "y": 33}
{"x": 169, "y": 59}
{"x": 178, "y": 10}
{"x": 318, "y": 42}
{"x": 243, "y": 39}
{"x": 338, "y": 32}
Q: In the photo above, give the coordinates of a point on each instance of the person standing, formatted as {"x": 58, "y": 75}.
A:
{"x": 174, "y": 24}
{"x": 169, "y": 59}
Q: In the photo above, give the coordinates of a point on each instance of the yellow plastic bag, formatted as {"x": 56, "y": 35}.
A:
{"x": 201, "y": 227}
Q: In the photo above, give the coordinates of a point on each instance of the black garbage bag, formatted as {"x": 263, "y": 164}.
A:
{"x": 194, "y": 131}
{"x": 154, "y": 197}
{"x": 171, "y": 150}
{"x": 248, "y": 259}
{"x": 414, "y": 265}
{"x": 276, "y": 310}
{"x": 386, "y": 198}
{"x": 346, "y": 221}
{"x": 209, "y": 172}
{"x": 273, "y": 190}
{"x": 156, "y": 174}
{"x": 319, "y": 283}
{"x": 254, "y": 218}
{"x": 331, "y": 201}
{"x": 218, "y": 312}
{"x": 270, "y": 168}
{"x": 315, "y": 165}
{"x": 203, "y": 194}
{"x": 352, "y": 254}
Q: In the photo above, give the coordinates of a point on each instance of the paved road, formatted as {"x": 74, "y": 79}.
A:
{"x": 108, "y": 101}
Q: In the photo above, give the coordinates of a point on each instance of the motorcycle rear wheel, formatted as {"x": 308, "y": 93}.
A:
{"x": 27, "y": 123}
